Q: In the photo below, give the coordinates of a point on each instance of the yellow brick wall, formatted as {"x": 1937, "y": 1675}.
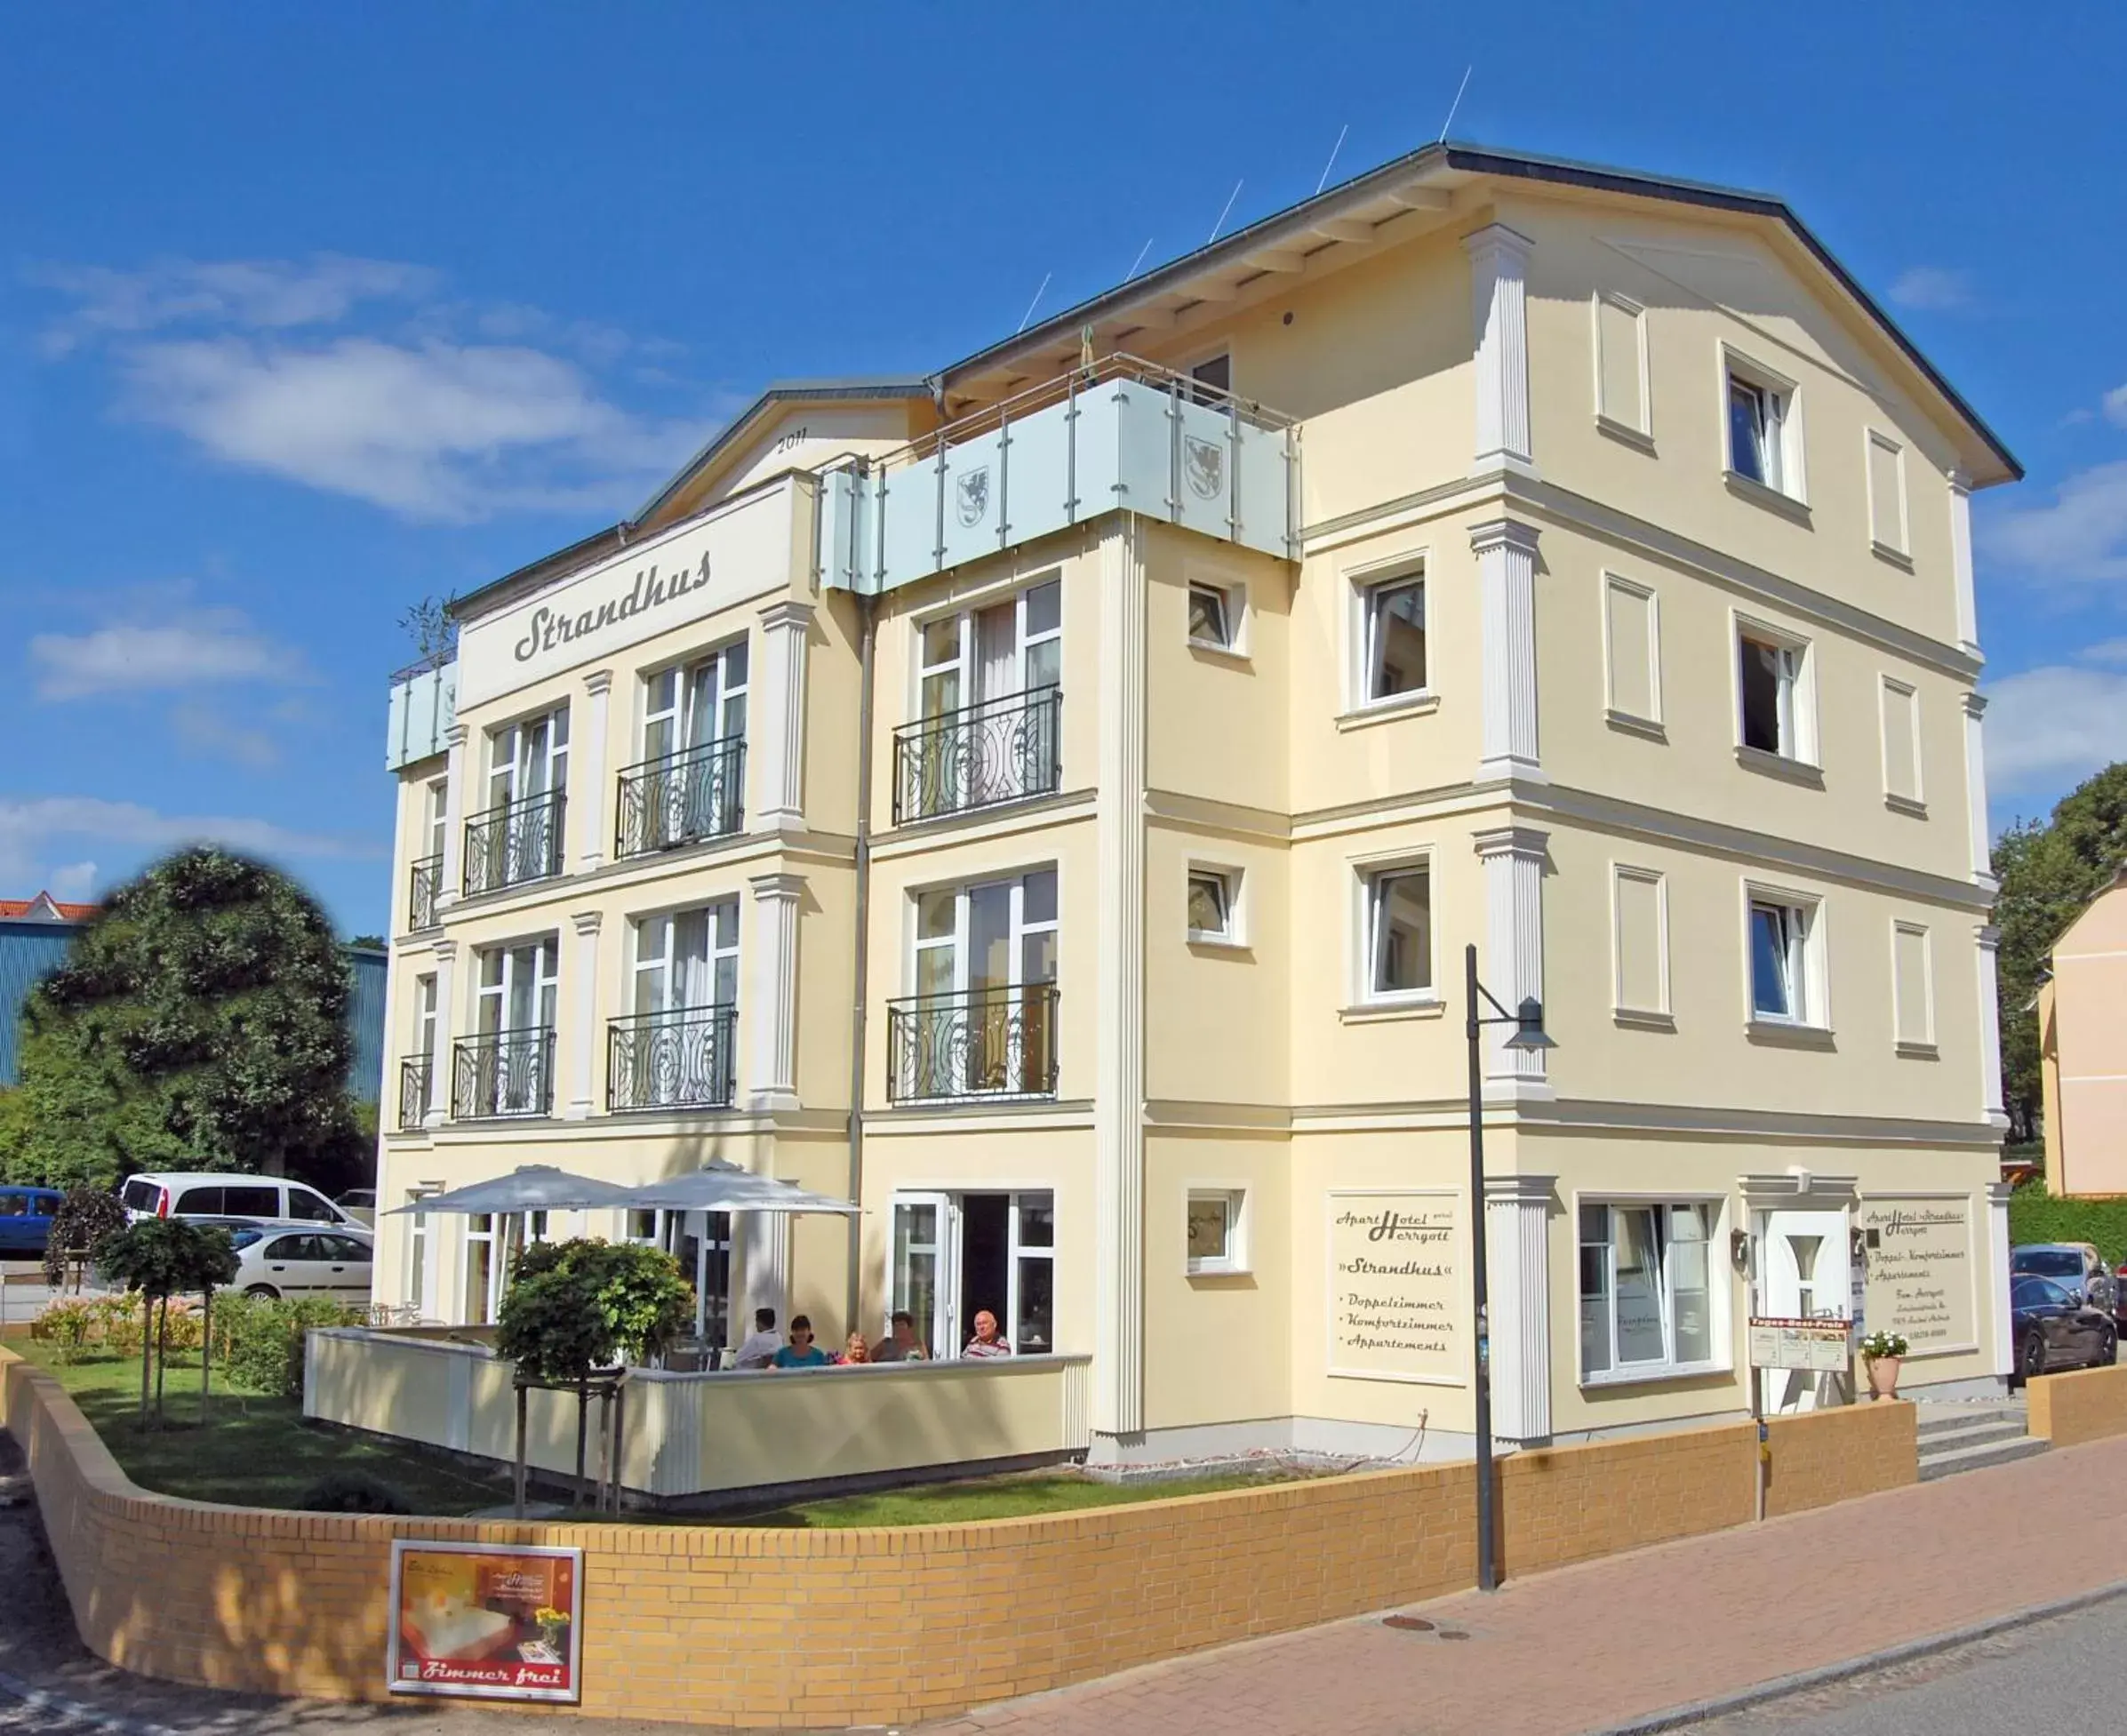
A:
{"x": 883, "y": 1625}
{"x": 2082, "y": 1404}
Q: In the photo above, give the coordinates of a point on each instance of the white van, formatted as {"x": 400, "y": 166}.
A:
{"x": 189, "y": 1193}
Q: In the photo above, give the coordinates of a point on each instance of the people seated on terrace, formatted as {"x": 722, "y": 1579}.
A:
{"x": 855, "y": 1351}
{"x": 900, "y": 1344}
{"x": 758, "y": 1348}
{"x": 985, "y": 1342}
{"x": 801, "y": 1352}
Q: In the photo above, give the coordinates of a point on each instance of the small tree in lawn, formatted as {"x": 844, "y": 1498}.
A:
{"x": 162, "y": 1258}
{"x": 86, "y": 1216}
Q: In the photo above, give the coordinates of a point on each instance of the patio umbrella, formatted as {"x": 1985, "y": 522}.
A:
{"x": 726, "y": 1188}
{"x": 530, "y": 1187}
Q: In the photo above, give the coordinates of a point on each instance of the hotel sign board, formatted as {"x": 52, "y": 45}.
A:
{"x": 1396, "y": 1286}
{"x": 488, "y": 1622}
{"x": 1819, "y": 1346}
{"x": 1919, "y": 1255}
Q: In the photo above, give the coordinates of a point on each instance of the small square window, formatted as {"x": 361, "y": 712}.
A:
{"x": 1393, "y": 652}
{"x": 1780, "y": 985}
{"x": 1764, "y": 443}
{"x": 1768, "y": 682}
{"x": 1399, "y": 933}
{"x": 1214, "y": 1231}
{"x": 1210, "y": 617}
{"x": 1211, "y": 904}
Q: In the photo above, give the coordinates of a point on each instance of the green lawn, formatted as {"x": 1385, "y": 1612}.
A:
{"x": 252, "y": 1451}
{"x": 1008, "y": 1497}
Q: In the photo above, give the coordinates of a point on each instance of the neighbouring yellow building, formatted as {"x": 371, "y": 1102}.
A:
{"x": 2083, "y": 1049}
{"x": 1047, "y": 801}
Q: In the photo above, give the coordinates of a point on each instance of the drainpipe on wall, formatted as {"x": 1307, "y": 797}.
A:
{"x": 868, "y": 605}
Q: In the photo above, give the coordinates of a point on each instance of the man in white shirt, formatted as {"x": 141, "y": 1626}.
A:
{"x": 762, "y": 1343}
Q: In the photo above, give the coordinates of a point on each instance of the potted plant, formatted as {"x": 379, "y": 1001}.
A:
{"x": 554, "y": 1628}
{"x": 1885, "y": 1354}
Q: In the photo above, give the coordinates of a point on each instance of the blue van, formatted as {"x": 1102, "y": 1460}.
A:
{"x": 25, "y": 1219}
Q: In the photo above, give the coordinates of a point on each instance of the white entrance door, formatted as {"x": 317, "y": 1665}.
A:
{"x": 1804, "y": 1277}
{"x": 926, "y": 1275}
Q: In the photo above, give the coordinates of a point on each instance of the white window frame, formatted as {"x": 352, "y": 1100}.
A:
{"x": 1232, "y": 881}
{"x": 1901, "y": 549}
{"x": 546, "y": 967}
{"x": 1800, "y": 719}
{"x": 1642, "y": 432}
{"x": 1915, "y": 802}
{"x": 1235, "y": 1261}
{"x": 1368, "y": 875}
{"x": 1719, "y": 1325}
{"x": 1647, "y": 594}
{"x": 518, "y": 758}
{"x": 439, "y": 815}
{"x": 642, "y": 962}
{"x": 1809, "y": 980}
{"x": 496, "y": 1237}
{"x": 1924, "y": 1044}
{"x": 1232, "y": 604}
{"x": 704, "y": 677}
{"x": 1365, "y": 588}
{"x": 1620, "y": 872}
{"x": 1199, "y": 388}
{"x": 1782, "y": 398}
{"x": 966, "y": 653}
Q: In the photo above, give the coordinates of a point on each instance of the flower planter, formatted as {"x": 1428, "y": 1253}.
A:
{"x": 1883, "y": 1376}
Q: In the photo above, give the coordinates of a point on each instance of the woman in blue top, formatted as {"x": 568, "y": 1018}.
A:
{"x": 801, "y": 1352}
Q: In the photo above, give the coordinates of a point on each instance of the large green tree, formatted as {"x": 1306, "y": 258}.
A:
{"x": 199, "y": 1023}
{"x": 2049, "y": 870}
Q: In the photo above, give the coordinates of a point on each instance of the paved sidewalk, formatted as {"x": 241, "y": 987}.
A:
{"x": 1611, "y": 1640}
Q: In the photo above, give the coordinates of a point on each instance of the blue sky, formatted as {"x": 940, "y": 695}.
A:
{"x": 307, "y": 312}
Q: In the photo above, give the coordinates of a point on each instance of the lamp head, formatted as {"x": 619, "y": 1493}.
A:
{"x": 1529, "y": 1029}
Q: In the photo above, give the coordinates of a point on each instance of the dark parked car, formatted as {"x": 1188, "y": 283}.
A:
{"x": 2053, "y": 1330}
{"x": 25, "y": 1219}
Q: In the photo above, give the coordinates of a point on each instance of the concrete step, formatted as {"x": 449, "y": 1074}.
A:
{"x": 1932, "y": 1419}
{"x": 1978, "y": 1457}
{"x": 1969, "y": 1433}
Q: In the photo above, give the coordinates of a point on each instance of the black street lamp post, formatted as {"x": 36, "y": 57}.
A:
{"x": 1528, "y": 1035}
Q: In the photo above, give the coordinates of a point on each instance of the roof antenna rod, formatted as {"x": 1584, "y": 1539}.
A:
{"x": 1220, "y": 224}
{"x": 1453, "y": 106}
{"x": 1135, "y": 263}
{"x": 1036, "y": 302}
{"x": 1331, "y": 163}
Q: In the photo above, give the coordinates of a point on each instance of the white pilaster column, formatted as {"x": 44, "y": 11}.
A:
{"x": 779, "y": 737}
{"x": 1517, "y": 1249}
{"x": 587, "y": 770}
{"x": 1975, "y": 790}
{"x": 1512, "y": 964}
{"x": 763, "y": 1239}
{"x": 446, "y": 1022}
{"x": 1997, "y": 1261}
{"x": 582, "y": 1043}
{"x": 1961, "y": 563}
{"x": 1990, "y": 1030}
{"x": 770, "y": 1044}
{"x": 1505, "y": 554}
{"x": 1117, "y": 1405}
{"x": 461, "y": 767}
{"x": 1499, "y": 295}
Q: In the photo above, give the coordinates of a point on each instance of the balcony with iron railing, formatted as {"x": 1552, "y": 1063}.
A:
{"x": 984, "y": 1045}
{"x": 514, "y": 842}
{"x": 424, "y": 879}
{"x": 417, "y": 1092}
{"x": 680, "y": 1059}
{"x": 503, "y": 1073}
{"x": 982, "y": 755}
{"x": 1123, "y": 434}
{"x": 681, "y": 798}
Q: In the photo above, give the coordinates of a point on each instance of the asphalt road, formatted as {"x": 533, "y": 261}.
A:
{"x": 2063, "y": 1675}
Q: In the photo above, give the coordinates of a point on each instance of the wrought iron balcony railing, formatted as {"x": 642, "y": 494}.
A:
{"x": 423, "y": 881}
{"x": 417, "y": 1095}
{"x": 993, "y": 751}
{"x": 503, "y": 1073}
{"x": 517, "y": 842}
{"x": 682, "y": 798}
{"x": 987, "y": 1043}
{"x": 680, "y": 1059}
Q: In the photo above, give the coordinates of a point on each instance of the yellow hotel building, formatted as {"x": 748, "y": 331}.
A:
{"x": 1047, "y": 802}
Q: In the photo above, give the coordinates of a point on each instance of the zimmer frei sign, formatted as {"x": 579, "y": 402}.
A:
{"x": 488, "y": 1623}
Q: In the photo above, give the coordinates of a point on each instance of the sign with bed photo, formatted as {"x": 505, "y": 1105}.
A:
{"x": 494, "y": 1623}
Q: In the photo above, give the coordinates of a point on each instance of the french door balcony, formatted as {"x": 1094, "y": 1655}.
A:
{"x": 677, "y": 1059}
{"x": 993, "y": 751}
{"x": 682, "y": 798}
{"x": 518, "y": 842}
{"x": 424, "y": 879}
{"x": 984, "y": 1045}
{"x": 417, "y": 1089}
{"x": 503, "y": 1073}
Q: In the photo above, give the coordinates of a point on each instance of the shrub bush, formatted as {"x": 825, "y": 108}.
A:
{"x": 69, "y": 1325}
{"x": 351, "y": 1491}
{"x": 2037, "y": 1216}
{"x": 264, "y": 1339}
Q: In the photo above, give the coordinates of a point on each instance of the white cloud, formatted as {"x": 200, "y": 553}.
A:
{"x": 2106, "y": 650}
{"x": 2081, "y": 535}
{"x": 2049, "y": 728}
{"x": 438, "y": 431}
{"x": 197, "y": 648}
{"x": 1933, "y": 289}
{"x": 29, "y": 828}
{"x": 254, "y": 294}
{"x": 2115, "y": 405}
{"x": 205, "y": 730}
{"x": 73, "y": 883}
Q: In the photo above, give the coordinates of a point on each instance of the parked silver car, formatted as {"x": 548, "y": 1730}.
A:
{"x": 2076, "y": 1267}
{"x": 291, "y": 1260}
